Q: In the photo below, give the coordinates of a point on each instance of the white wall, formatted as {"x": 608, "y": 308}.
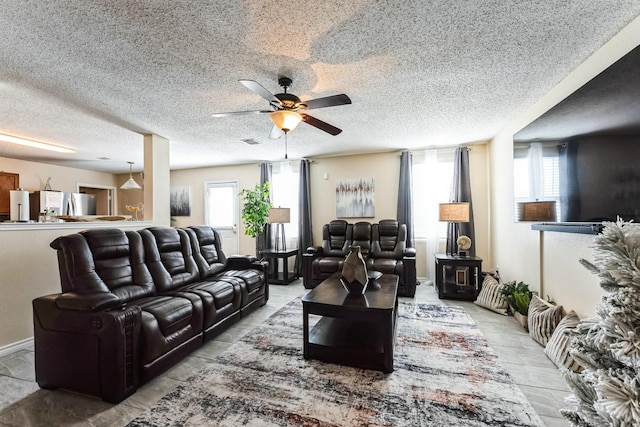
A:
{"x": 515, "y": 247}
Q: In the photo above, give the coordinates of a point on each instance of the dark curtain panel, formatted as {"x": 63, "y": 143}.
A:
{"x": 263, "y": 241}
{"x": 305, "y": 232}
{"x": 570, "y": 204}
{"x": 405, "y": 195}
{"x": 461, "y": 192}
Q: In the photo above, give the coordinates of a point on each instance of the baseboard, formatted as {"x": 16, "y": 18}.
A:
{"x": 16, "y": 346}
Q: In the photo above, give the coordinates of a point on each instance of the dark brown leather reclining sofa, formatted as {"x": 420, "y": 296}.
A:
{"x": 133, "y": 303}
{"x": 383, "y": 246}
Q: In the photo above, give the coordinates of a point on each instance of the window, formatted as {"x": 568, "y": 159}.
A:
{"x": 285, "y": 179}
{"x": 221, "y": 204}
{"x": 432, "y": 176}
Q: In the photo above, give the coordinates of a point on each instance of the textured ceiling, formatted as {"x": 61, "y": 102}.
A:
{"x": 96, "y": 76}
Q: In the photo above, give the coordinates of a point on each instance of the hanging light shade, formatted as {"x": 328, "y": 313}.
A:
{"x": 285, "y": 120}
{"x": 131, "y": 183}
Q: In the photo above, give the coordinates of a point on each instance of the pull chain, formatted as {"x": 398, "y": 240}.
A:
{"x": 285, "y": 145}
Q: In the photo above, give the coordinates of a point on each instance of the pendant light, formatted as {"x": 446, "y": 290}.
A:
{"x": 131, "y": 183}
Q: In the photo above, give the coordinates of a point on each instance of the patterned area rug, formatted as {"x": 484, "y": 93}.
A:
{"x": 445, "y": 375}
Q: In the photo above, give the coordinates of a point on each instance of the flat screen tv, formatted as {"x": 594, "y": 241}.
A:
{"x": 584, "y": 153}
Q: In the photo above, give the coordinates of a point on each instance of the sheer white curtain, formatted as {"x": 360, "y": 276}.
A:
{"x": 535, "y": 170}
{"x": 284, "y": 193}
{"x": 432, "y": 175}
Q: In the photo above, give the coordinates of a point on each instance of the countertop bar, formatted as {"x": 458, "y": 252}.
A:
{"x": 15, "y": 226}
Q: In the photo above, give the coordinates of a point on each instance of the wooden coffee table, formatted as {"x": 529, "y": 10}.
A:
{"x": 354, "y": 330}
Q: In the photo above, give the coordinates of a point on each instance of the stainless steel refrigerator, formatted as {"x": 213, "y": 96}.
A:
{"x": 58, "y": 203}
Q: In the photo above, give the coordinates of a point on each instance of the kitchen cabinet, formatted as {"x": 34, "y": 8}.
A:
{"x": 8, "y": 181}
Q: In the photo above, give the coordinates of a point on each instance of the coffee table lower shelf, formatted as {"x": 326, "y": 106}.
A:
{"x": 348, "y": 342}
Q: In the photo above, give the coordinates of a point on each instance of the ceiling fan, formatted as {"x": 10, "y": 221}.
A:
{"x": 287, "y": 109}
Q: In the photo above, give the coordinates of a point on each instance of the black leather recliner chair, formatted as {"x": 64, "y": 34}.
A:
{"x": 389, "y": 253}
{"x": 325, "y": 260}
{"x": 383, "y": 246}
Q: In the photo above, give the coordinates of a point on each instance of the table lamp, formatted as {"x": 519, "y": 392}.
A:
{"x": 457, "y": 212}
{"x": 280, "y": 217}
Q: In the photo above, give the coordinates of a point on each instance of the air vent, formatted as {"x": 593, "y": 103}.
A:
{"x": 250, "y": 141}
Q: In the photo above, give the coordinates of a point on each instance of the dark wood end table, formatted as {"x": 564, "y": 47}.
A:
{"x": 458, "y": 277}
{"x": 354, "y": 330}
{"x": 280, "y": 277}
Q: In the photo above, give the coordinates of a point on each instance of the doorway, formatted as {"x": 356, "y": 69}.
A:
{"x": 221, "y": 212}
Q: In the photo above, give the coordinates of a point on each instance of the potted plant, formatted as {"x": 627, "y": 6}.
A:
{"x": 255, "y": 209}
{"x": 519, "y": 296}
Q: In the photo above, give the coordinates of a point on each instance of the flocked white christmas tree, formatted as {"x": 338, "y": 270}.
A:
{"x": 607, "y": 391}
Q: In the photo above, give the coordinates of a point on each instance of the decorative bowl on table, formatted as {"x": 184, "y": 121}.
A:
{"x": 373, "y": 276}
{"x": 354, "y": 287}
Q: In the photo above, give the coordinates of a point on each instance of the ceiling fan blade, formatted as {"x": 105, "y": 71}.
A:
{"x": 238, "y": 113}
{"x": 320, "y": 124}
{"x": 260, "y": 90}
{"x": 328, "y": 101}
{"x": 275, "y": 133}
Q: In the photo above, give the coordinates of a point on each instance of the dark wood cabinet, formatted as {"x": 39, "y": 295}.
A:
{"x": 8, "y": 181}
{"x": 458, "y": 277}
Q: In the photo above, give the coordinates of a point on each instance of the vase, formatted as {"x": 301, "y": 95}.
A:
{"x": 354, "y": 272}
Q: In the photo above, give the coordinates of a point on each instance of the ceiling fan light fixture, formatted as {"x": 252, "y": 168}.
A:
{"x": 131, "y": 183}
{"x": 285, "y": 120}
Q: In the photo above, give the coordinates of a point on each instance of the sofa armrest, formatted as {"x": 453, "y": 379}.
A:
{"x": 95, "y": 301}
{"x": 243, "y": 262}
{"x": 89, "y": 352}
{"x": 410, "y": 279}
{"x": 311, "y": 254}
{"x": 409, "y": 252}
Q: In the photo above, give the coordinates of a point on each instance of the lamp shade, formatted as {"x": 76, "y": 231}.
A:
{"x": 285, "y": 120}
{"x": 279, "y": 215}
{"x": 537, "y": 211}
{"x": 131, "y": 183}
{"x": 454, "y": 212}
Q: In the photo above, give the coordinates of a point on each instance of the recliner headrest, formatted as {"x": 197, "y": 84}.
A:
{"x": 338, "y": 227}
{"x": 388, "y": 227}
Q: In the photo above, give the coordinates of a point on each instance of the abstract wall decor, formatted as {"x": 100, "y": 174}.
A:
{"x": 354, "y": 198}
{"x": 180, "y": 201}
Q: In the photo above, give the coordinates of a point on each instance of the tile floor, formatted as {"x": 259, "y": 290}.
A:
{"x": 22, "y": 403}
